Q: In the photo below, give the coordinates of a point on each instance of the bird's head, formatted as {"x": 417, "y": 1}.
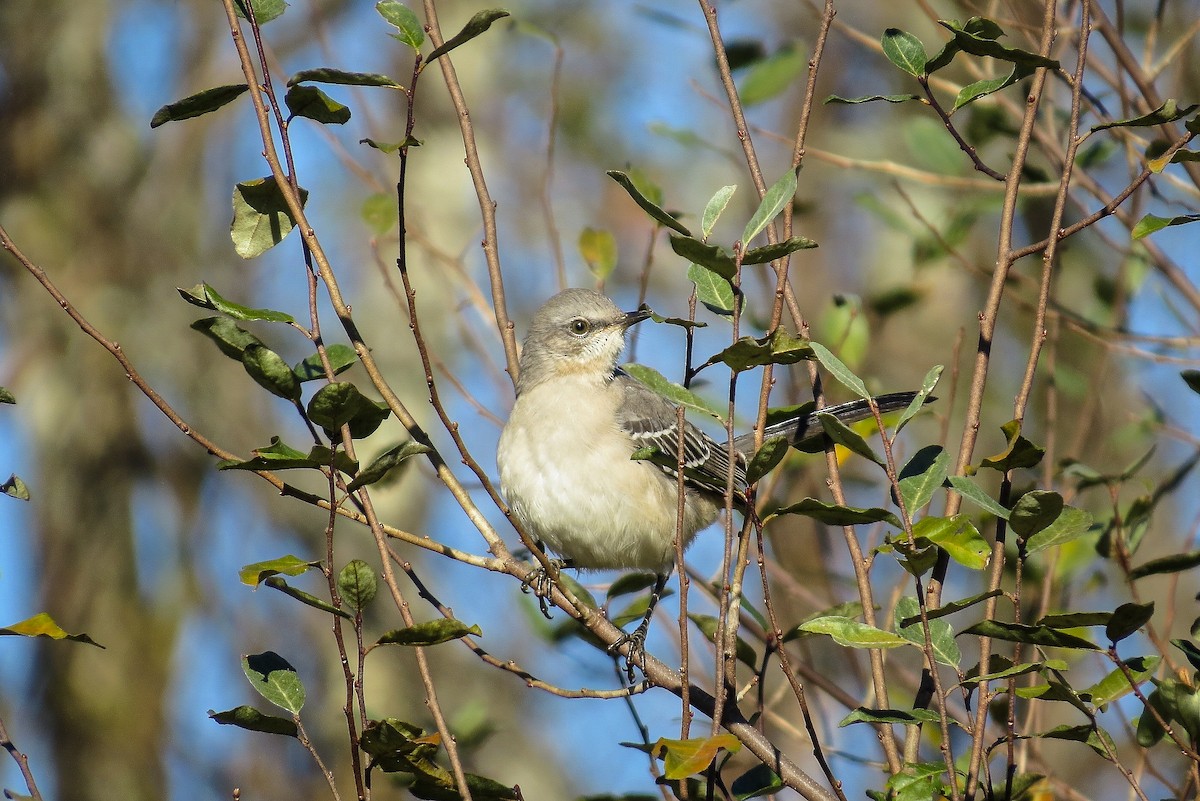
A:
{"x": 578, "y": 331}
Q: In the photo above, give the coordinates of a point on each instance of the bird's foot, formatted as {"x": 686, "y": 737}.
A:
{"x": 540, "y": 582}
{"x": 636, "y": 656}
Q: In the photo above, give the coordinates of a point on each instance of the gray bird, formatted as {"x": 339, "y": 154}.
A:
{"x": 564, "y": 455}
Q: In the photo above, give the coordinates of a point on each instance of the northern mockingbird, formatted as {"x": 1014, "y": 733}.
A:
{"x": 564, "y": 455}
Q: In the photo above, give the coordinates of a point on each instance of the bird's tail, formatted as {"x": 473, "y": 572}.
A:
{"x": 803, "y": 430}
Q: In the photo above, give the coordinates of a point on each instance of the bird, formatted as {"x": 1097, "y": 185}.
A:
{"x": 566, "y": 454}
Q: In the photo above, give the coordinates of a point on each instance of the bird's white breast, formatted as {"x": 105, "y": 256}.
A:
{"x": 566, "y": 472}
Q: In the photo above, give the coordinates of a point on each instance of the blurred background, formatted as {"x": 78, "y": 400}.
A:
{"x": 133, "y": 537}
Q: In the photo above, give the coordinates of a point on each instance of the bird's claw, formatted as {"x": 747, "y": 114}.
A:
{"x": 540, "y": 582}
{"x": 636, "y": 656}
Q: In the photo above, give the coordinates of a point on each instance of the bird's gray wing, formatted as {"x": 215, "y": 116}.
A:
{"x": 803, "y": 430}
{"x": 652, "y": 421}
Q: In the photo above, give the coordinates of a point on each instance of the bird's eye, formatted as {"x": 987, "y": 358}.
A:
{"x": 579, "y": 326}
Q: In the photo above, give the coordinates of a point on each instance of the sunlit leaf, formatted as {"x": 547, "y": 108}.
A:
{"x": 905, "y": 51}
{"x": 776, "y": 198}
{"x": 261, "y": 217}
{"x": 275, "y": 679}
{"x": 432, "y": 632}
{"x": 683, "y": 758}
{"x": 258, "y": 572}
{"x": 42, "y": 625}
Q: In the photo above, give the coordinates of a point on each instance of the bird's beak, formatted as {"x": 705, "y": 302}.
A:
{"x": 634, "y": 317}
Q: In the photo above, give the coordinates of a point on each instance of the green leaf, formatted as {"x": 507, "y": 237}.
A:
{"x": 1001, "y": 667}
{"x": 1070, "y": 525}
{"x": 14, "y": 487}
{"x": 769, "y": 77}
{"x": 357, "y": 584}
{"x": 941, "y": 634}
{"x": 714, "y": 208}
{"x": 708, "y": 625}
{"x": 206, "y": 297}
{"x": 1190, "y": 377}
{"x": 715, "y": 292}
{"x": 386, "y": 736}
{"x": 711, "y": 257}
{"x": 402, "y": 17}
{"x": 1019, "y": 453}
{"x": 340, "y": 403}
{"x": 261, "y": 218}
{"x": 656, "y": 213}
{"x": 748, "y": 352}
{"x": 847, "y": 437}
{"x": 231, "y": 339}
{"x": 1149, "y": 730}
{"x": 766, "y": 459}
{"x": 275, "y": 679}
{"x": 631, "y": 583}
{"x": 474, "y": 27}
{"x": 1169, "y": 111}
{"x": 432, "y": 632}
{"x": 683, "y": 758}
{"x": 973, "y": 91}
{"x": 1175, "y": 563}
{"x": 834, "y": 515}
{"x": 853, "y": 101}
{"x": 386, "y": 462}
{"x": 918, "y": 402}
{"x": 599, "y": 250}
{"x": 769, "y": 253}
{"x": 955, "y": 606}
{"x": 1151, "y": 223}
{"x": 979, "y": 43}
{"x": 264, "y": 10}
{"x": 341, "y": 358}
{"x": 379, "y": 213}
{"x": 975, "y": 494}
{"x": 341, "y": 77}
{"x": 903, "y": 717}
{"x": 256, "y": 573}
{"x": 850, "y": 609}
{"x": 958, "y": 537}
{"x": 1074, "y": 620}
{"x": 922, "y": 476}
{"x": 1033, "y": 635}
{"x": 1189, "y": 649}
{"x": 1116, "y": 685}
{"x": 308, "y": 599}
{"x": 1091, "y": 735}
{"x": 198, "y": 104}
{"x": 249, "y": 718}
{"x": 6, "y": 396}
{"x": 281, "y": 456}
{"x": 1126, "y": 620}
{"x": 42, "y": 625}
{"x": 905, "y": 51}
{"x": 852, "y": 634}
{"x": 917, "y": 782}
{"x": 1034, "y": 511}
{"x": 841, "y": 372}
{"x": 311, "y": 102}
{"x": 775, "y": 200}
{"x": 759, "y": 780}
{"x": 271, "y": 372}
{"x": 675, "y": 393}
